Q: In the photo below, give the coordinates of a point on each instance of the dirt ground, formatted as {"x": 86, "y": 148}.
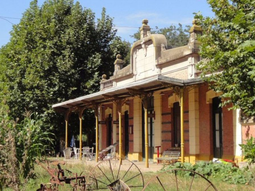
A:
{"x": 152, "y": 167}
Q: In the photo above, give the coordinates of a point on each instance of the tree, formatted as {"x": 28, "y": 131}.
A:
{"x": 227, "y": 49}
{"x": 121, "y": 47}
{"x": 57, "y": 52}
{"x": 176, "y": 36}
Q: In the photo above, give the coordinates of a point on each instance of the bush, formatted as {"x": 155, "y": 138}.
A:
{"x": 225, "y": 172}
{"x": 249, "y": 150}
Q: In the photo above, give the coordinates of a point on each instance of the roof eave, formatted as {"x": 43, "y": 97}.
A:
{"x": 146, "y": 84}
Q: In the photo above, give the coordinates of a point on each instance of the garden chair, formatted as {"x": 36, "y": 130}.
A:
{"x": 87, "y": 152}
{"x": 67, "y": 153}
{"x": 76, "y": 152}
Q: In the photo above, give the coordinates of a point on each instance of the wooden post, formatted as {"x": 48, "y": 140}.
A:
{"x": 97, "y": 132}
{"x": 80, "y": 119}
{"x": 66, "y": 128}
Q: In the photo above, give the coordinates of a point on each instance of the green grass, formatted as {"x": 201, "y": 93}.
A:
{"x": 168, "y": 180}
{"x": 184, "y": 183}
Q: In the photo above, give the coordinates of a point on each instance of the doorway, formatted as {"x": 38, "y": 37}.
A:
{"x": 176, "y": 135}
{"x": 109, "y": 130}
{"x": 217, "y": 128}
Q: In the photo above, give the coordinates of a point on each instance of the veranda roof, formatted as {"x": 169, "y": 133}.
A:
{"x": 145, "y": 85}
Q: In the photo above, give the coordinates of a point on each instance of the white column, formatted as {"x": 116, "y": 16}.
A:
{"x": 237, "y": 132}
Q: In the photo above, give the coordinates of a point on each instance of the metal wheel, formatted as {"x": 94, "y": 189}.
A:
{"x": 179, "y": 180}
{"x": 112, "y": 175}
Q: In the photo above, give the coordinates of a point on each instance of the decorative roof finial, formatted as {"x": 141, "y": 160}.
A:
{"x": 104, "y": 76}
{"x": 145, "y": 29}
{"x": 195, "y": 27}
{"x": 145, "y": 21}
{"x": 195, "y": 31}
{"x": 118, "y": 64}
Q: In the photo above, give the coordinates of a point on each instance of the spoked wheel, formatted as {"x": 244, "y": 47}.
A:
{"x": 179, "y": 180}
{"x": 112, "y": 175}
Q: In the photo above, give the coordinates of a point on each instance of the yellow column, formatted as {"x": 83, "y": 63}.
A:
{"x": 146, "y": 138}
{"x": 119, "y": 104}
{"x": 66, "y": 137}
{"x": 97, "y": 147}
{"x": 182, "y": 126}
{"x": 145, "y": 106}
{"x": 120, "y": 137}
{"x": 80, "y": 118}
{"x": 66, "y": 129}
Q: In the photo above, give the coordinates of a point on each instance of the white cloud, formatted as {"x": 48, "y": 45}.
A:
{"x": 131, "y": 23}
{"x": 156, "y": 19}
{"x": 126, "y": 32}
{"x": 165, "y": 22}
{"x": 142, "y": 15}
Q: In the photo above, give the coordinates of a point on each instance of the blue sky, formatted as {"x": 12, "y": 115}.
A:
{"x": 128, "y": 15}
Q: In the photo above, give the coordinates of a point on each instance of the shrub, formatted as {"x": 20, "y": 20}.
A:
{"x": 249, "y": 150}
{"x": 225, "y": 172}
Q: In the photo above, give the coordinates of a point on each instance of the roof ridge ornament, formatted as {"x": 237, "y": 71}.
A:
{"x": 195, "y": 31}
{"x": 195, "y": 27}
{"x": 118, "y": 64}
{"x": 145, "y": 29}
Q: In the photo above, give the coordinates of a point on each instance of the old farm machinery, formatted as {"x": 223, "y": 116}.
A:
{"x": 108, "y": 174}
{"x": 59, "y": 177}
{"x": 111, "y": 174}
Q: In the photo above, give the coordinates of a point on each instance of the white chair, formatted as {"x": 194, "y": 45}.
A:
{"x": 67, "y": 153}
{"x": 108, "y": 152}
{"x": 76, "y": 152}
{"x": 87, "y": 153}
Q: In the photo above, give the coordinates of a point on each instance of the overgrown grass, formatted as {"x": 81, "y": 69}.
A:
{"x": 198, "y": 184}
{"x": 225, "y": 172}
{"x": 223, "y": 176}
{"x": 43, "y": 177}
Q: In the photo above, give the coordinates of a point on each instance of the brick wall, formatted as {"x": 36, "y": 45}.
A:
{"x": 131, "y": 123}
{"x": 205, "y": 123}
{"x": 228, "y": 141}
{"x": 166, "y": 123}
{"x": 206, "y": 127}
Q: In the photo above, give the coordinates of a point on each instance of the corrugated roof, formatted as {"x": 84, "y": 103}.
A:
{"x": 145, "y": 85}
